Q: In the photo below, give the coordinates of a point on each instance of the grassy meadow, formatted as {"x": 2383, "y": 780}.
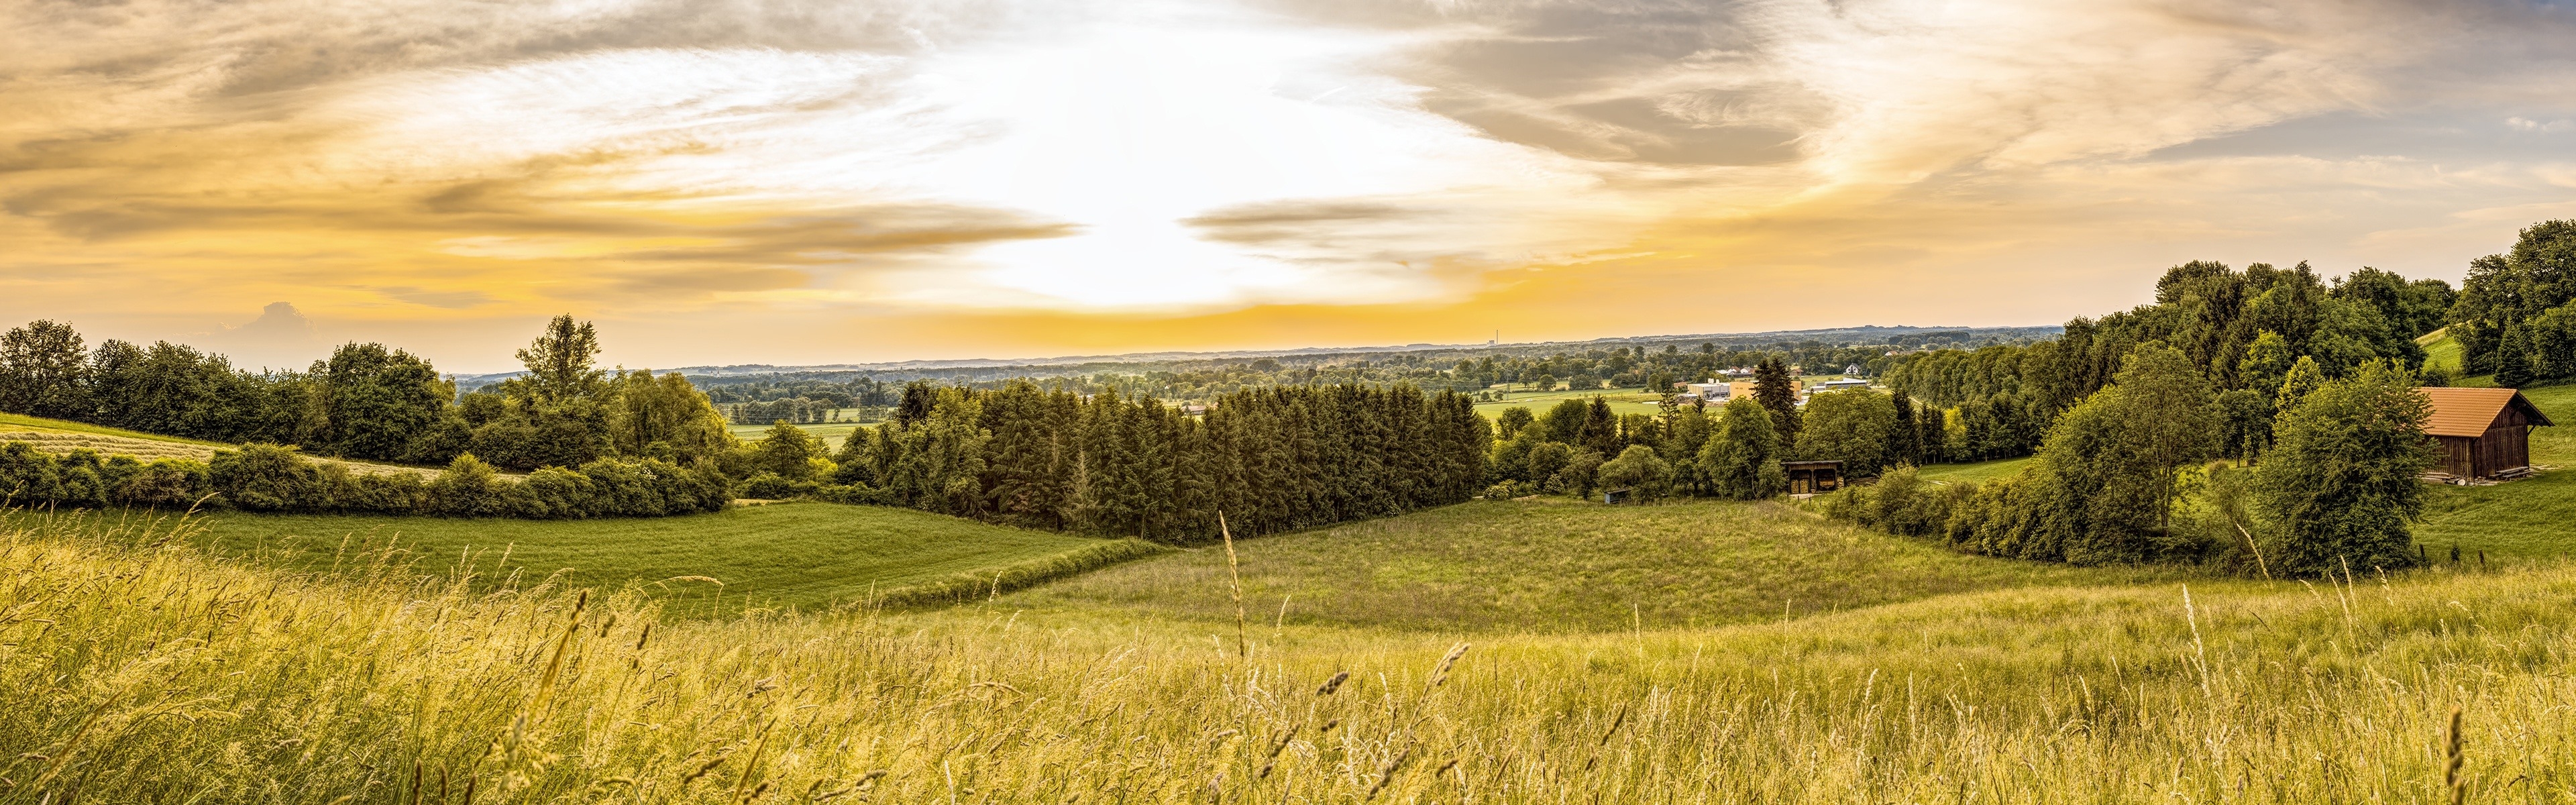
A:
{"x": 1554, "y": 566}
{"x": 804, "y": 556}
{"x": 149, "y": 670}
{"x": 1622, "y": 401}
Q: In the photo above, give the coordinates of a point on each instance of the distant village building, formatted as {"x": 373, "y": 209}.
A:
{"x": 1853, "y": 370}
{"x": 2484, "y": 433}
{"x": 1838, "y": 385}
{"x": 1712, "y": 391}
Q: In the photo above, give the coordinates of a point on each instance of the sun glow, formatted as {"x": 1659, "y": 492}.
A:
{"x": 885, "y": 178}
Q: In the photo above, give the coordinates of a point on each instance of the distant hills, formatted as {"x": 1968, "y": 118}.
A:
{"x": 1900, "y": 335}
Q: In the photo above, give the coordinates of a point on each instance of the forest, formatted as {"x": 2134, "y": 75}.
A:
{"x": 1265, "y": 460}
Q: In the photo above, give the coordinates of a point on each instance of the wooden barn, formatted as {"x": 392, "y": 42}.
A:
{"x": 1813, "y": 477}
{"x": 2485, "y": 433}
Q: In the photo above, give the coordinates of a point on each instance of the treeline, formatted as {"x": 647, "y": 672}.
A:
{"x": 2334, "y": 492}
{"x": 1578, "y": 447}
{"x": 1269, "y": 460}
{"x": 2312, "y": 385}
{"x": 368, "y": 401}
{"x": 2245, "y": 330}
{"x": 371, "y": 402}
{"x": 1470, "y": 370}
{"x": 269, "y": 478}
{"x": 2514, "y": 317}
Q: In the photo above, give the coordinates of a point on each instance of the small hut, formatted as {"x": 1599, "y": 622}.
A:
{"x": 2485, "y": 433}
{"x": 1813, "y": 477}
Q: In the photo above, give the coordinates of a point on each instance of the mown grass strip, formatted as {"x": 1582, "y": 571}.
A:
{"x": 970, "y": 585}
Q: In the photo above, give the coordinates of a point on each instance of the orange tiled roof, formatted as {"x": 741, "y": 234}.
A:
{"x": 2468, "y": 412}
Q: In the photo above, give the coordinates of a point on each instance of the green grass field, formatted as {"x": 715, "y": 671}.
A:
{"x": 1974, "y": 472}
{"x": 832, "y": 432}
{"x": 1557, "y": 566}
{"x": 170, "y": 675}
{"x": 1622, "y": 401}
{"x": 802, "y": 555}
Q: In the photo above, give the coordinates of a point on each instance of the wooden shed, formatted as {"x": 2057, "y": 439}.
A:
{"x": 1813, "y": 477}
{"x": 2485, "y": 433}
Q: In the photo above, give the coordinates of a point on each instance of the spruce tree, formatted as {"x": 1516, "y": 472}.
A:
{"x": 1778, "y": 393}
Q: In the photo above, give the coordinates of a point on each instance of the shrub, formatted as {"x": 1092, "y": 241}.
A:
{"x": 853, "y": 494}
{"x": 768, "y": 486}
{"x": 173, "y": 482}
{"x": 469, "y": 488}
{"x": 266, "y": 478}
{"x": 386, "y": 493}
{"x": 1638, "y": 468}
{"x": 560, "y": 494}
{"x": 26, "y": 476}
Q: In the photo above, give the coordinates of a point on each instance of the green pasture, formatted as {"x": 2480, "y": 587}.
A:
{"x": 802, "y": 555}
{"x": 1555, "y": 566}
{"x": 831, "y": 432}
{"x": 1622, "y": 401}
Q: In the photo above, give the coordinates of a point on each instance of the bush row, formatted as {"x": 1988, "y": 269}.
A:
{"x": 268, "y": 478}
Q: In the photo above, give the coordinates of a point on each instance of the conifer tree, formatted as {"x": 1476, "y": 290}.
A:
{"x": 1778, "y": 394}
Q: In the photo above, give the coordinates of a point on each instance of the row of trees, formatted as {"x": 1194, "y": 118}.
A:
{"x": 268, "y": 478}
{"x": 1269, "y": 459}
{"x": 2514, "y": 316}
{"x": 2244, "y": 331}
{"x": 2337, "y": 489}
{"x": 370, "y": 402}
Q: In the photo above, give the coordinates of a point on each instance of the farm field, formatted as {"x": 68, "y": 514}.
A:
{"x": 1550, "y": 566}
{"x": 64, "y": 436}
{"x": 1622, "y": 401}
{"x": 805, "y": 556}
{"x": 831, "y": 432}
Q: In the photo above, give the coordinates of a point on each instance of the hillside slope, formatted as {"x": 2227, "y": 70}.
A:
{"x": 165, "y": 675}
{"x": 63, "y": 436}
{"x": 1551, "y": 566}
{"x": 803, "y": 555}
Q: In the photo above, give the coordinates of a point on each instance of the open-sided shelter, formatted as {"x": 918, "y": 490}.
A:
{"x": 2485, "y": 433}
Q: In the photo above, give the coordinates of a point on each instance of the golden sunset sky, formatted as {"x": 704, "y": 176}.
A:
{"x": 809, "y": 181}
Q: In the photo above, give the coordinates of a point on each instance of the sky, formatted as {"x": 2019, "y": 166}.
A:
{"x": 812, "y": 181}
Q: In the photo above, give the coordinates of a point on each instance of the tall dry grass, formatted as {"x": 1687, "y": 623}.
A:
{"x": 135, "y": 669}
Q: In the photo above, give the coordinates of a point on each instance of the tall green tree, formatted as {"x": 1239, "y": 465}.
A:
{"x": 377, "y": 401}
{"x": 561, "y": 363}
{"x": 1851, "y": 426}
{"x": 1777, "y": 391}
{"x": 2340, "y": 487}
{"x": 1510, "y": 422}
{"x": 1742, "y": 460}
{"x": 41, "y": 369}
{"x": 788, "y": 451}
{"x": 1905, "y": 439}
{"x": 2171, "y": 417}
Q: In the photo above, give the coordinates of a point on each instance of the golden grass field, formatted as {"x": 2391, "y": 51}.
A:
{"x": 139, "y": 669}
